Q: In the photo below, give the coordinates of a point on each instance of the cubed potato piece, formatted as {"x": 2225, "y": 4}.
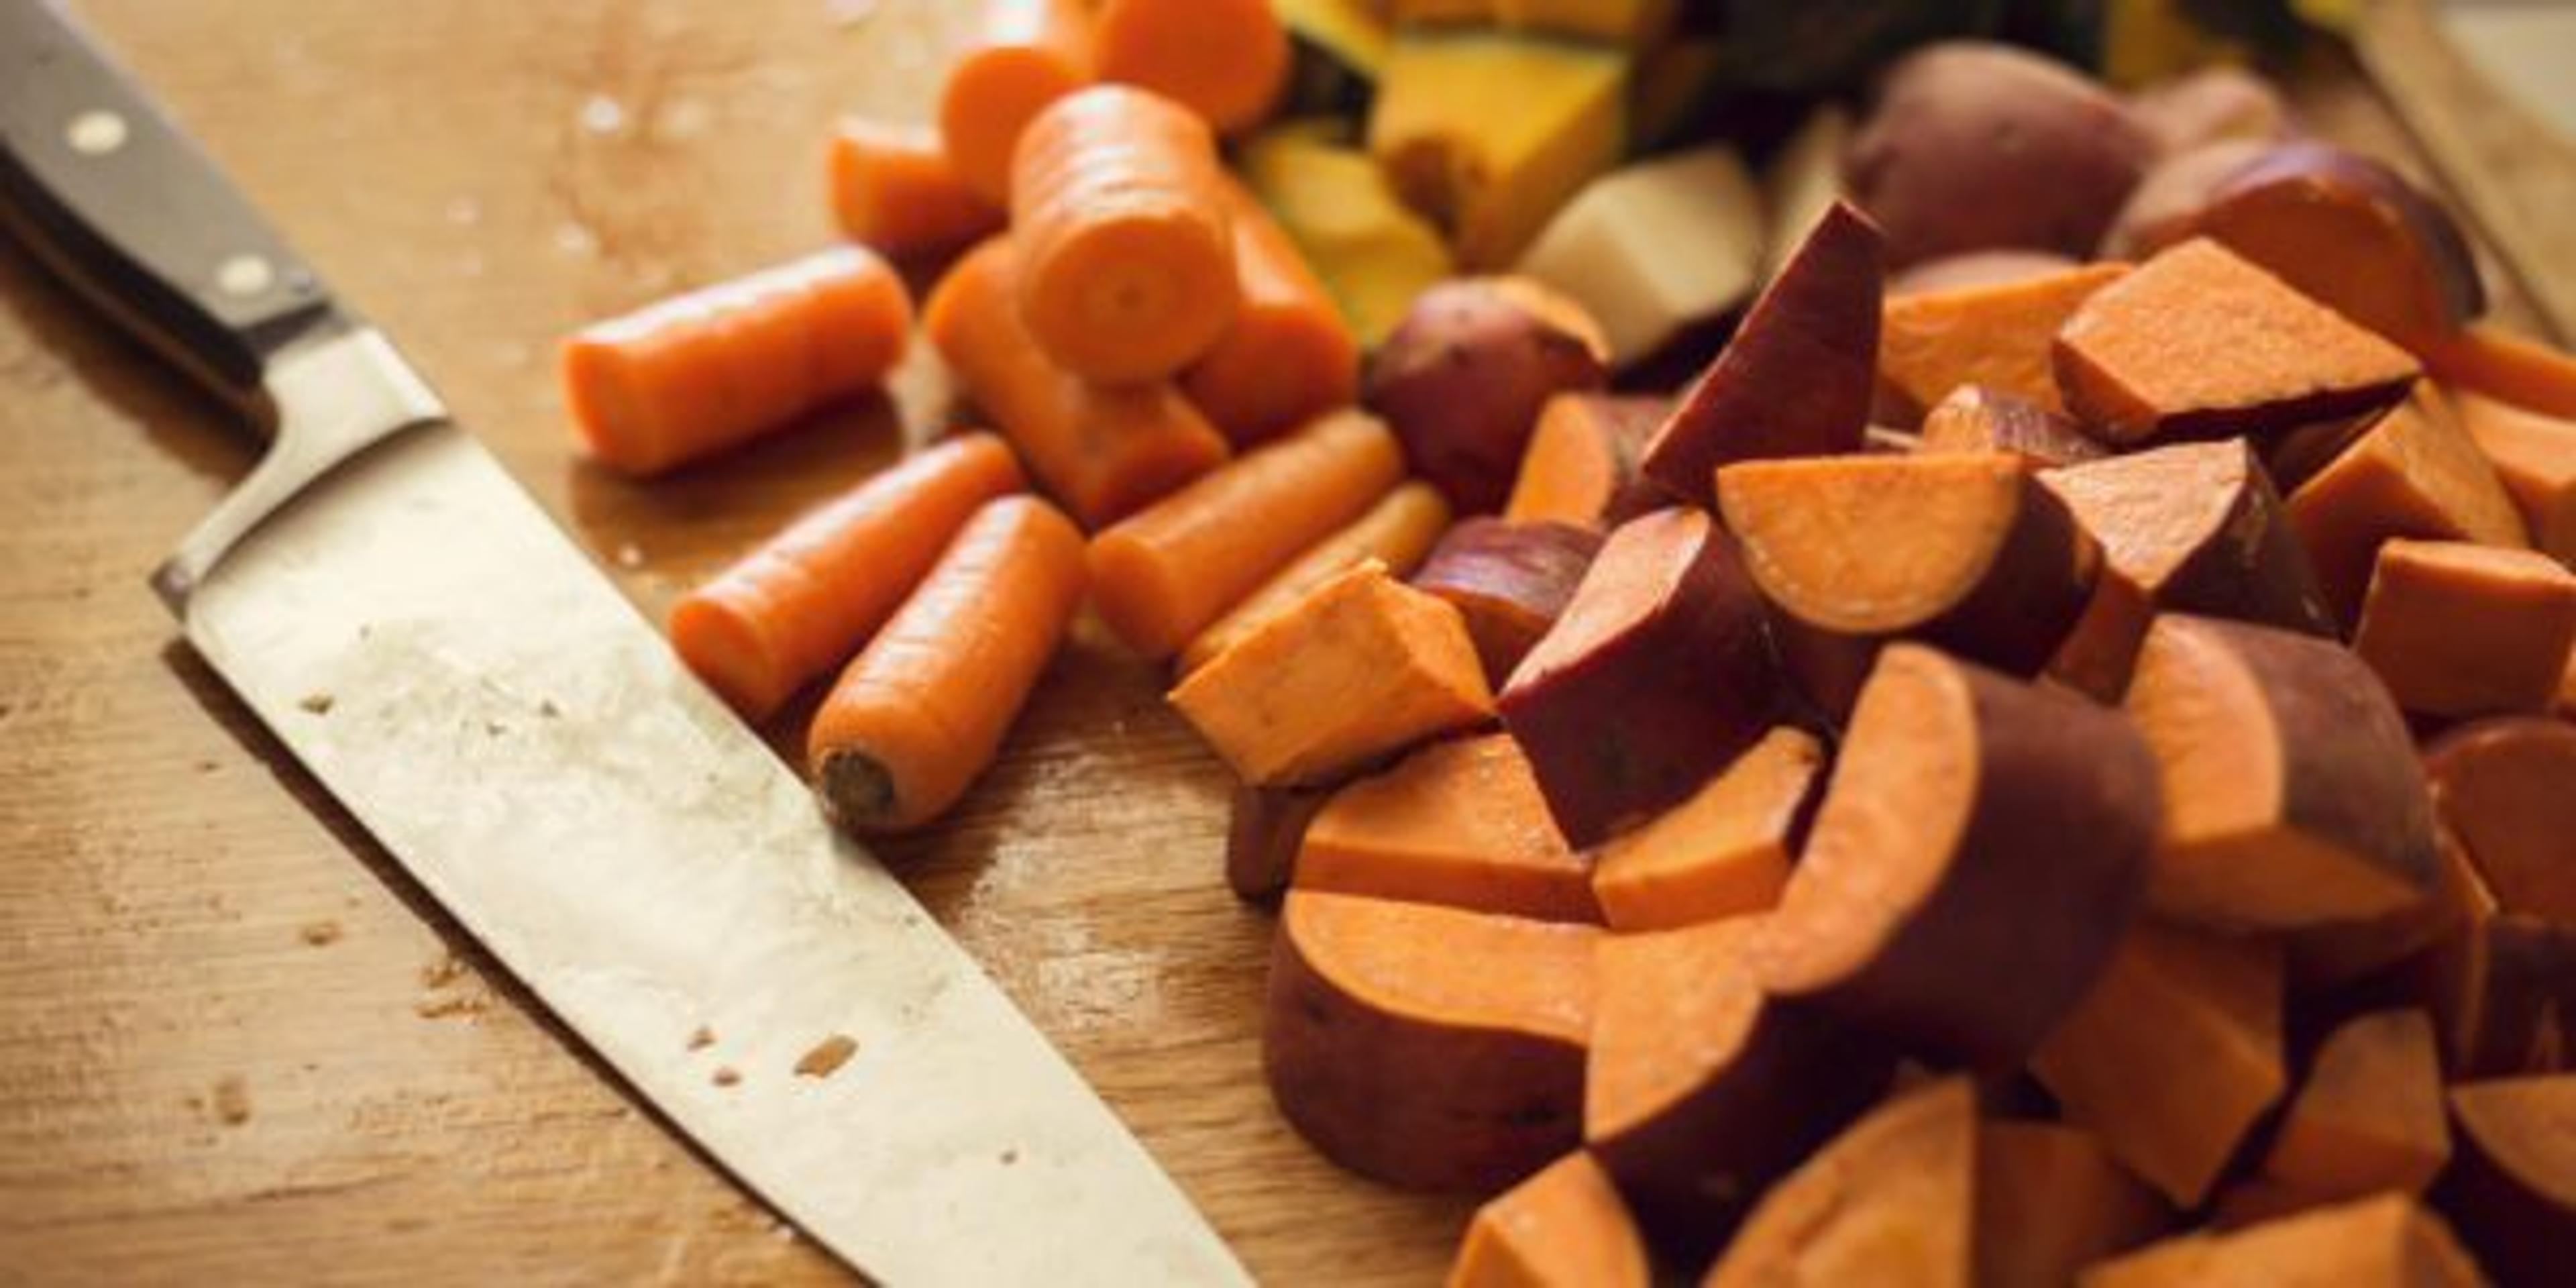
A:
{"x": 2386, "y": 1242}
{"x": 2458, "y": 630}
{"x": 1723, "y": 852}
{"x": 1364, "y": 666}
{"x": 1565, "y": 1227}
{"x": 1458, "y": 823}
{"x": 1611, "y": 249}
{"x": 1466, "y": 375}
{"x": 2413, "y": 473}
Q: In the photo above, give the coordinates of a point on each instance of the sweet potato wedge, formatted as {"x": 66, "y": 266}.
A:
{"x": 2500, "y": 985}
{"x": 2291, "y": 793}
{"x": 2389, "y": 1241}
{"x": 2000, "y": 335}
{"x": 1428, "y": 1047}
{"x": 2535, "y": 458}
{"x": 1700, "y": 1091}
{"x": 2050, "y": 1201}
{"x": 1264, "y": 828}
{"x": 1581, "y": 464}
{"x": 2325, "y": 957}
{"x": 1509, "y": 580}
{"x": 2199, "y": 528}
{"x": 2198, "y": 343}
{"x": 1562, "y": 1228}
{"x": 2160, "y": 210}
{"x": 1655, "y": 677}
{"x": 2414, "y": 473}
{"x": 2507, "y": 789}
{"x": 2100, "y": 651}
{"x": 1797, "y": 379}
{"x": 1398, "y": 531}
{"x": 1457, "y": 823}
{"x": 2458, "y": 630}
{"x": 1891, "y": 1201}
{"x": 2173, "y": 1055}
{"x": 1981, "y": 418}
{"x": 1960, "y": 799}
{"x": 2513, "y": 1190}
{"x": 2369, "y": 1116}
{"x": 1725, "y": 850}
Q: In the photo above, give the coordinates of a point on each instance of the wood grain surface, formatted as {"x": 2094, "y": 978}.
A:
{"x": 236, "y": 1045}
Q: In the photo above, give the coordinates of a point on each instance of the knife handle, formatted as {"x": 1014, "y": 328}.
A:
{"x": 104, "y": 188}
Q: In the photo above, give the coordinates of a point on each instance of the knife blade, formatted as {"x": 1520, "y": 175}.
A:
{"x": 435, "y": 651}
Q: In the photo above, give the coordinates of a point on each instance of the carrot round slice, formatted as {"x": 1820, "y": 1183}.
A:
{"x": 809, "y": 596}
{"x": 922, "y": 710}
{"x": 1226, "y": 60}
{"x": 1127, "y": 268}
{"x": 1024, "y": 55}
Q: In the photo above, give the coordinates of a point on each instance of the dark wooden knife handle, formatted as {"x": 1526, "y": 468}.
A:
{"x": 103, "y": 187}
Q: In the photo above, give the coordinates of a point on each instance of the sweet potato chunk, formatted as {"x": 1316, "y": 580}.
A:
{"x": 1981, "y": 418}
{"x": 1998, "y": 335}
{"x": 2173, "y": 1055}
{"x": 2199, "y": 528}
{"x": 2050, "y": 1201}
{"x": 1798, "y": 377}
{"x": 1264, "y": 828}
{"x": 1655, "y": 677}
{"x": 1724, "y": 851}
{"x": 1510, "y": 581}
{"x": 1890, "y": 1201}
{"x": 2535, "y": 458}
{"x": 2197, "y": 343}
{"x": 1581, "y": 463}
{"x": 1701, "y": 1091}
{"x": 2513, "y": 1190}
{"x": 1363, "y": 666}
{"x": 2291, "y": 793}
{"x": 1424, "y": 1046}
{"x": 1458, "y": 823}
{"x": 1961, "y": 801}
{"x": 2459, "y": 630}
{"x": 2507, "y": 789}
{"x": 1562, "y": 1228}
{"x": 1967, "y": 552}
{"x": 2384, "y": 1242}
{"x": 2414, "y": 473}
{"x": 2322, "y": 957}
{"x": 2369, "y": 1117}
{"x": 2501, "y": 986}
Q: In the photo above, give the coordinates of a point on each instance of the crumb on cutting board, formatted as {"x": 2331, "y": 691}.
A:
{"x": 702, "y": 1038}
{"x": 826, "y": 1057}
{"x": 320, "y": 933}
{"x": 232, "y": 1100}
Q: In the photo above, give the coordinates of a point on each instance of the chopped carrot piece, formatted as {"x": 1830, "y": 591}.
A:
{"x": 922, "y": 710}
{"x": 715, "y": 368}
{"x": 1363, "y": 666}
{"x": 1458, "y": 823}
{"x": 2487, "y": 359}
{"x": 2416, "y": 473}
{"x": 1025, "y": 54}
{"x": 1103, "y": 453}
{"x": 1126, "y": 252}
{"x": 895, "y": 190}
{"x": 2535, "y": 458}
{"x": 810, "y": 596}
{"x": 1288, "y": 357}
{"x": 1397, "y": 532}
{"x": 1562, "y": 1228}
{"x": 1723, "y": 852}
{"x": 2458, "y": 630}
{"x": 1997, "y": 335}
{"x": 1226, "y": 60}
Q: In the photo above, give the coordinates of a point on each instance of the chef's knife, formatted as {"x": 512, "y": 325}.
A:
{"x": 437, "y": 653}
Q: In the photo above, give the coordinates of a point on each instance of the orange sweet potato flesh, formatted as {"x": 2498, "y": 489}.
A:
{"x": 1725, "y": 850}
{"x": 2535, "y": 458}
{"x": 2513, "y": 1190}
{"x": 2370, "y": 1116}
{"x": 2459, "y": 630}
{"x": 2415, "y": 473}
{"x": 2050, "y": 1200}
{"x": 1458, "y": 823}
{"x": 1565, "y": 1227}
{"x": 1982, "y": 418}
{"x": 2504, "y": 788}
{"x": 2198, "y": 343}
{"x": 2500, "y": 984}
{"x": 2174, "y": 1054}
{"x": 1510, "y": 580}
{"x": 2199, "y": 528}
{"x": 2324, "y": 957}
{"x": 1961, "y": 799}
{"x": 1581, "y": 463}
{"x": 1428, "y": 1047}
{"x": 1398, "y": 531}
{"x": 1997, "y": 335}
{"x": 2510, "y": 368}
{"x": 2292, "y": 798}
{"x": 1700, "y": 1091}
{"x": 1265, "y": 827}
{"x": 2389, "y": 1241}
{"x": 1890, "y": 1201}
{"x": 1364, "y": 666}
{"x": 2100, "y": 651}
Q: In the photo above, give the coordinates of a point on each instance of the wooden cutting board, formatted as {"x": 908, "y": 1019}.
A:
{"x": 236, "y": 1044}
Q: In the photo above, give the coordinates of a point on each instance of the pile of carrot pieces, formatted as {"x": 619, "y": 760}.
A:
{"x": 2039, "y": 770}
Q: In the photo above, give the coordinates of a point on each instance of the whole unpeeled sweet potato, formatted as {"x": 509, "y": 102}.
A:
{"x": 1464, "y": 376}
{"x": 1976, "y": 146}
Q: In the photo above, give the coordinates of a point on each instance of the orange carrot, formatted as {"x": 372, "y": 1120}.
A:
{"x": 1127, "y": 266}
{"x": 1162, "y": 574}
{"x": 811, "y": 595}
{"x": 1101, "y": 452}
{"x": 894, "y": 189}
{"x": 1226, "y": 60}
{"x": 1289, "y": 356}
{"x": 923, "y": 709}
{"x": 1025, "y": 54}
{"x": 712, "y": 369}
{"x": 1397, "y": 532}
{"x": 2487, "y": 359}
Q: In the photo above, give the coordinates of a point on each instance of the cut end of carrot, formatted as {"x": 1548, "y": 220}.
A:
{"x": 857, "y": 790}
{"x": 606, "y": 412}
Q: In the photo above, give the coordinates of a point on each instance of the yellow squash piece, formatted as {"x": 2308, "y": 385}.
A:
{"x": 1372, "y": 252}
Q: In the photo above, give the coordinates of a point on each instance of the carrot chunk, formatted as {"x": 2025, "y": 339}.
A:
{"x": 1562, "y": 1228}
{"x": 1724, "y": 851}
{"x": 715, "y": 368}
{"x": 2455, "y": 629}
{"x": 922, "y": 710}
{"x": 1288, "y": 357}
{"x": 1102, "y": 453}
{"x": 1226, "y": 60}
{"x": 1397, "y": 532}
{"x": 1361, "y": 667}
{"x": 807, "y": 598}
{"x": 1024, "y": 55}
{"x": 2415, "y": 473}
{"x": 1458, "y": 823}
{"x": 1161, "y": 575}
{"x": 1997, "y": 335}
{"x": 1126, "y": 250}
{"x": 895, "y": 190}
{"x": 2535, "y": 458}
